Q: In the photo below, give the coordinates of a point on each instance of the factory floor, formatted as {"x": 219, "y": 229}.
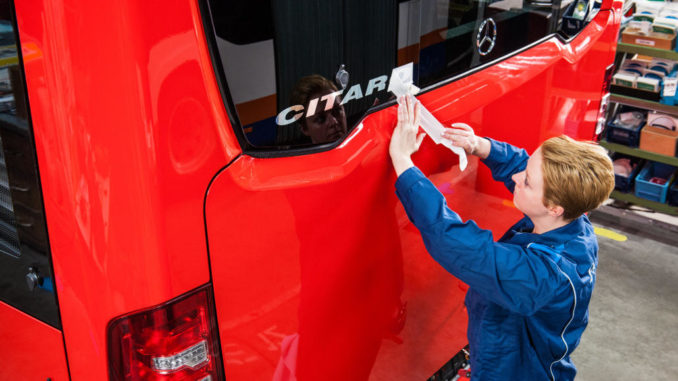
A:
{"x": 633, "y": 315}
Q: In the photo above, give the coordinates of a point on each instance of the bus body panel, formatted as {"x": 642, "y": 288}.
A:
{"x": 31, "y": 349}
{"x": 317, "y": 270}
{"x": 130, "y": 129}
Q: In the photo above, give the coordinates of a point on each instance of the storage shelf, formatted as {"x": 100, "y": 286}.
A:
{"x": 647, "y": 51}
{"x": 620, "y": 148}
{"x": 629, "y": 197}
{"x": 642, "y": 103}
{"x": 636, "y": 152}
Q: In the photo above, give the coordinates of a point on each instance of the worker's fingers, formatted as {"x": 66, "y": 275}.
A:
{"x": 463, "y": 126}
{"x": 459, "y": 130}
{"x": 406, "y": 104}
{"x": 402, "y": 111}
{"x": 459, "y": 142}
{"x": 402, "y": 116}
{"x": 408, "y": 113}
{"x": 454, "y": 132}
{"x": 420, "y": 138}
{"x": 457, "y": 136}
{"x": 416, "y": 115}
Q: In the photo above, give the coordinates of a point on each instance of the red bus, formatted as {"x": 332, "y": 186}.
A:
{"x": 168, "y": 212}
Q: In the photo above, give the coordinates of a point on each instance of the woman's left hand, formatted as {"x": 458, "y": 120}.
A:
{"x": 405, "y": 140}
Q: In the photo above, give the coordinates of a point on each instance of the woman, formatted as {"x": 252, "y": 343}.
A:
{"x": 530, "y": 290}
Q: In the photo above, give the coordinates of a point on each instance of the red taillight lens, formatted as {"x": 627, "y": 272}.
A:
{"x": 607, "y": 80}
{"x": 175, "y": 341}
{"x": 604, "y": 101}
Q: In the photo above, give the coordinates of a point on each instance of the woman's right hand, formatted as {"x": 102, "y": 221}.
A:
{"x": 462, "y": 135}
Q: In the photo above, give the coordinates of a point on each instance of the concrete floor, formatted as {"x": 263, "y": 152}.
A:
{"x": 633, "y": 321}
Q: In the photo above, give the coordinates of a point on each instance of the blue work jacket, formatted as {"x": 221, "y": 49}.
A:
{"x": 529, "y": 293}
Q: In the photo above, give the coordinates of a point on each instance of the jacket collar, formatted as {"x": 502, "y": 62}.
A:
{"x": 521, "y": 232}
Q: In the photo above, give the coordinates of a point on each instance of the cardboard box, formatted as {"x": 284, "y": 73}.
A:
{"x": 658, "y": 140}
{"x": 653, "y": 39}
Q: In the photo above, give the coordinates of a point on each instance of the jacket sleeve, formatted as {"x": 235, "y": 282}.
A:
{"x": 520, "y": 279}
{"x": 504, "y": 161}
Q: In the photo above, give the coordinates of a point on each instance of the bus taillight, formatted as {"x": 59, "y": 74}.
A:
{"x": 177, "y": 340}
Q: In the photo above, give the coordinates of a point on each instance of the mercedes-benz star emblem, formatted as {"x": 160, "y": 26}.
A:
{"x": 487, "y": 35}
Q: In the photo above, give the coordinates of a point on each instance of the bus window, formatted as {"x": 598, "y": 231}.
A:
{"x": 459, "y": 35}
{"x": 267, "y": 61}
{"x": 268, "y": 51}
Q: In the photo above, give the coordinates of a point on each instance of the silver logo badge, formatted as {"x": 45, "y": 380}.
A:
{"x": 487, "y": 35}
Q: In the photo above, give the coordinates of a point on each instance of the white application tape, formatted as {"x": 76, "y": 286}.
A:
{"x": 401, "y": 84}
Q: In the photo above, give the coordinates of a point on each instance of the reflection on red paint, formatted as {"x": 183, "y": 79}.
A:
{"x": 327, "y": 231}
{"x": 317, "y": 272}
{"x": 508, "y": 203}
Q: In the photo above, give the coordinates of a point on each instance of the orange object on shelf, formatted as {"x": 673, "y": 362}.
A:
{"x": 659, "y": 140}
{"x": 652, "y": 39}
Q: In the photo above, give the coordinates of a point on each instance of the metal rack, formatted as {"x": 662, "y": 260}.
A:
{"x": 630, "y": 197}
{"x": 649, "y": 105}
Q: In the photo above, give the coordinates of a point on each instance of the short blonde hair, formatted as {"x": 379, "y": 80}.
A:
{"x": 578, "y": 176}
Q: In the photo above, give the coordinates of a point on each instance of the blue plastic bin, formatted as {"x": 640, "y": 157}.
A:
{"x": 652, "y": 191}
{"x": 623, "y": 183}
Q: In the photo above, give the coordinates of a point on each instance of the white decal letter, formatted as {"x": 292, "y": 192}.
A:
{"x": 283, "y": 118}
{"x": 311, "y": 107}
{"x": 329, "y": 99}
{"x": 379, "y": 83}
{"x": 353, "y": 93}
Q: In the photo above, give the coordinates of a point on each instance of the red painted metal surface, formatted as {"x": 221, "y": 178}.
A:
{"x": 317, "y": 270}
{"x": 129, "y": 128}
{"x": 315, "y": 265}
{"x": 31, "y": 349}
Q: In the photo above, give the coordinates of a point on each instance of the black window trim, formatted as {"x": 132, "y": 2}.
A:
{"x": 53, "y": 316}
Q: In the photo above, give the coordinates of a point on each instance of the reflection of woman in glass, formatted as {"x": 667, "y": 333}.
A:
{"x": 319, "y": 122}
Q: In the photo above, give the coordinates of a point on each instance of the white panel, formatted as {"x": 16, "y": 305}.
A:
{"x": 250, "y": 69}
{"x": 507, "y": 4}
{"x": 408, "y": 23}
{"x": 434, "y": 15}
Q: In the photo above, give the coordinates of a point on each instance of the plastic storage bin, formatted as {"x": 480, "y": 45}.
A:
{"x": 649, "y": 189}
{"x": 625, "y": 183}
{"x": 624, "y": 127}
